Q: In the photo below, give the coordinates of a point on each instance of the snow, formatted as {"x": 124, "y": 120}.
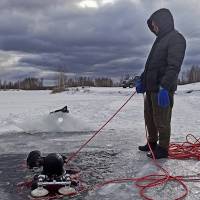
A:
{"x": 25, "y": 125}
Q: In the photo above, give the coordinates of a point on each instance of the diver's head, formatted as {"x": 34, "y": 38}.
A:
{"x": 65, "y": 109}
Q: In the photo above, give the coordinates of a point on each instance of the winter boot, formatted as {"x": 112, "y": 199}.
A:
{"x": 146, "y": 147}
{"x": 159, "y": 153}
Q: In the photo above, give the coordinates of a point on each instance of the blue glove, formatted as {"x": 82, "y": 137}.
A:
{"x": 139, "y": 86}
{"x": 163, "y": 98}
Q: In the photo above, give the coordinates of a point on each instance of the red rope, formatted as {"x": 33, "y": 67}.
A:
{"x": 155, "y": 180}
{"x": 186, "y": 150}
{"x": 82, "y": 146}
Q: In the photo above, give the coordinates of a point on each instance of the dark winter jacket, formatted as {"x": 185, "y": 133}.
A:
{"x": 165, "y": 59}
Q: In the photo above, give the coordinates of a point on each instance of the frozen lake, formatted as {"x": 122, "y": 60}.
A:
{"x": 26, "y": 125}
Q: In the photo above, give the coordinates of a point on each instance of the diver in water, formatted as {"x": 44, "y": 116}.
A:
{"x": 63, "y": 110}
{"x": 50, "y": 175}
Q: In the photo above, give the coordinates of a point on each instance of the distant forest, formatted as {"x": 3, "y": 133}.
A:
{"x": 190, "y": 76}
{"x": 61, "y": 83}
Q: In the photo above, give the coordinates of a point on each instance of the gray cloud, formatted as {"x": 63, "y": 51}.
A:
{"x": 112, "y": 39}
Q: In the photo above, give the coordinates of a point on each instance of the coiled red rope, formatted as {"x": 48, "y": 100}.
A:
{"x": 185, "y": 150}
{"x": 188, "y": 149}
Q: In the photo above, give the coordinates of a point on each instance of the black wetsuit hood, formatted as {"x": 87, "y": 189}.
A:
{"x": 163, "y": 19}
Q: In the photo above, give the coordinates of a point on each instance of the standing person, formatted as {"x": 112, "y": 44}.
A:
{"x": 159, "y": 81}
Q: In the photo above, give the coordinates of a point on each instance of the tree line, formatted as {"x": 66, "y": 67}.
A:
{"x": 190, "y": 76}
{"x": 61, "y": 83}
{"x": 87, "y": 81}
{"x": 30, "y": 83}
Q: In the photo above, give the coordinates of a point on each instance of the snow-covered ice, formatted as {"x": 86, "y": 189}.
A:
{"x": 25, "y": 125}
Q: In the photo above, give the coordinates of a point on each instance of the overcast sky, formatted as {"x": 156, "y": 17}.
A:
{"x": 86, "y": 37}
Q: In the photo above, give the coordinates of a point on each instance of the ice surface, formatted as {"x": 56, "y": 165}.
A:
{"x": 25, "y": 125}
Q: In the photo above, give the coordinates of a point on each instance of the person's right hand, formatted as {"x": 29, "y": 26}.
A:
{"x": 139, "y": 87}
{"x": 163, "y": 98}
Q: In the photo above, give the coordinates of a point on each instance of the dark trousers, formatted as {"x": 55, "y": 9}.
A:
{"x": 158, "y": 119}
